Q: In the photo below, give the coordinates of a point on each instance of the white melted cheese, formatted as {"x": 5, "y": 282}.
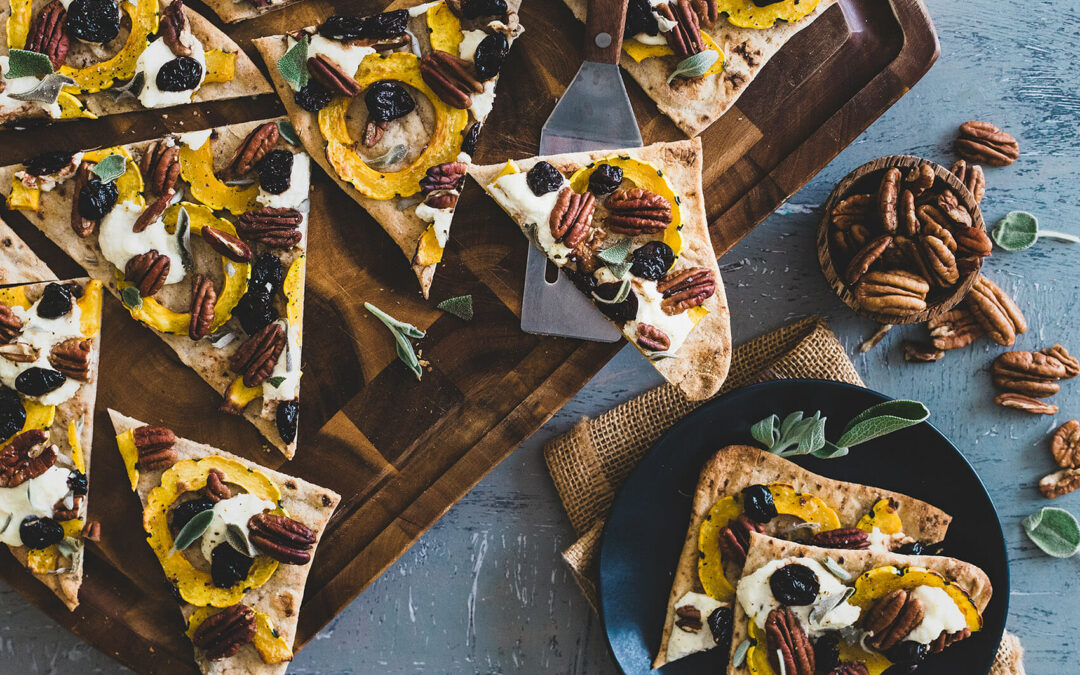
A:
{"x": 196, "y": 139}
{"x": 646, "y": 39}
{"x": 42, "y": 334}
{"x": 119, "y": 243}
{"x": 512, "y": 192}
{"x": 757, "y": 600}
{"x": 236, "y": 510}
{"x": 483, "y": 102}
{"x": 287, "y": 367}
{"x": 683, "y": 642}
{"x": 299, "y": 186}
{"x": 942, "y": 614}
{"x": 676, "y": 327}
{"x": 440, "y": 218}
{"x": 347, "y": 57}
{"x": 879, "y": 541}
{"x": 664, "y": 24}
{"x": 469, "y": 42}
{"x": 156, "y": 55}
{"x": 21, "y": 85}
{"x": 48, "y": 182}
{"x": 35, "y": 497}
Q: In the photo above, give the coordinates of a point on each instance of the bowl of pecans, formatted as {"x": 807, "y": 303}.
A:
{"x": 902, "y": 240}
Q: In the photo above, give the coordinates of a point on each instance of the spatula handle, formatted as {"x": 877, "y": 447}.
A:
{"x": 604, "y": 30}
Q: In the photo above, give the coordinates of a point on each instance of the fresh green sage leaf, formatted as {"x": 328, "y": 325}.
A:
{"x": 830, "y": 451}
{"x": 765, "y": 431}
{"x": 621, "y": 295}
{"x": 823, "y": 609}
{"x": 23, "y": 63}
{"x": 288, "y": 132}
{"x": 195, "y": 528}
{"x": 695, "y": 65}
{"x": 837, "y": 571}
{"x": 132, "y": 87}
{"x": 1055, "y": 531}
{"x": 883, "y": 418}
{"x": 237, "y": 537}
{"x": 131, "y": 297}
{"x": 110, "y": 168}
{"x": 46, "y": 91}
{"x": 390, "y": 157}
{"x": 293, "y": 65}
{"x": 796, "y": 435}
{"x": 617, "y": 258}
{"x": 740, "y": 653}
{"x": 276, "y": 380}
{"x": 1019, "y": 230}
{"x": 68, "y": 547}
{"x": 402, "y": 332}
{"x": 460, "y": 306}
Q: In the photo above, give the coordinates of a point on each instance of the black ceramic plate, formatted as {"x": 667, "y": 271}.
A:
{"x": 647, "y": 526}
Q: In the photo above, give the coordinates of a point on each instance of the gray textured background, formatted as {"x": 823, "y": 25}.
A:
{"x": 485, "y": 590}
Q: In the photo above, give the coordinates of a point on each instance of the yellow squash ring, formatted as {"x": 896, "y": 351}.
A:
{"x": 197, "y": 168}
{"x": 99, "y": 76}
{"x": 745, "y": 14}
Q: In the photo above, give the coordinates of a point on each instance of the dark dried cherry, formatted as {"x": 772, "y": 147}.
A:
{"x": 183, "y": 513}
{"x": 77, "y": 483}
{"x": 180, "y": 74}
{"x": 543, "y": 178}
{"x": 827, "y": 652}
{"x": 12, "y": 413}
{"x": 48, "y": 163}
{"x": 288, "y": 413}
{"x": 255, "y": 310}
{"x": 93, "y": 20}
{"x": 474, "y": 9}
{"x": 55, "y": 301}
{"x": 722, "y": 625}
{"x": 907, "y": 653}
{"x": 267, "y": 269}
{"x": 795, "y": 585}
{"x": 39, "y": 381}
{"x": 640, "y": 19}
{"x": 912, "y": 548}
{"x": 377, "y": 27}
{"x": 490, "y": 54}
{"x": 765, "y": 3}
{"x": 758, "y": 503}
{"x": 605, "y": 179}
{"x": 620, "y": 312}
{"x": 275, "y": 171}
{"x": 314, "y": 96}
{"x": 38, "y": 532}
{"x": 388, "y": 100}
{"x": 586, "y": 283}
{"x": 468, "y": 145}
{"x": 652, "y": 260}
{"x": 97, "y": 198}
{"x": 228, "y": 566}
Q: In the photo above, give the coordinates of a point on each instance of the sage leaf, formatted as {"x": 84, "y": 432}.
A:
{"x": 1055, "y": 531}
{"x": 695, "y": 65}
{"x": 830, "y": 451}
{"x": 287, "y": 131}
{"x": 195, "y": 528}
{"x": 131, "y": 297}
{"x": 883, "y": 418}
{"x": 621, "y": 295}
{"x": 110, "y": 168}
{"x": 24, "y": 63}
{"x": 276, "y": 380}
{"x": 1019, "y": 230}
{"x": 740, "y": 653}
{"x": 237, "y": 537}
{"x": 293, "y": 65}
{"x": 765, "y": 431}
{"x": 837, "y": 571}
{"x": 820, "y": 611}
{"x": 132, "y": 87}
{"x": 460, "y": 306}
{"x": 796, "y": 436}
{"x": 68, "y": 547}
{"x": 390, "y": 157}
{"x": 47, "y": 91}
{"x": 617, "y": 258}
{"x": 402, "y": 332}
{"x": 183, "y": 236}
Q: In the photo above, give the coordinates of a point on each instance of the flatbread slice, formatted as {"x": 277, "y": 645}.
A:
{"x": 203, "y": 65}
{"x": 695, "y": 103}
{"x": 19, "y": 264}
{"x": 179, "y": 481}
{"x": 250, "y": 350}
{"x": 49, "y": 347}
{"x": 409, "y": 178}
{"x": 232, "y": 11}
{"x": 650, "y": 212}
{"x": 953, "y": 594}
{"x": 890, "y": 519}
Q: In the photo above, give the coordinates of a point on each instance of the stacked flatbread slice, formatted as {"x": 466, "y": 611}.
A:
{"x": 232, "y": 11}
{"x": 272, "y": 590}
{"x": 699, "y": 363}
{"x": 46, "y": 499}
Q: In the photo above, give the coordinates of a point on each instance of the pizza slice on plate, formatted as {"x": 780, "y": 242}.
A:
{"x": 63, "y": 59}
{"x": 391, "y": 106}
{"x": 629, "y": 228}
{"x": 235, "y": 539}
{"x": 215, "y": 268}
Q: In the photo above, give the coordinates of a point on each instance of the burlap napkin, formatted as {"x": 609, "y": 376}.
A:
{"x": 591, "y": 461}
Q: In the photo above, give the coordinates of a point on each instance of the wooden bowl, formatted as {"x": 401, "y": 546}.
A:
{"x": 866, "y": 179}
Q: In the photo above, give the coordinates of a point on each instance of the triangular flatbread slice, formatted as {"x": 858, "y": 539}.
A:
{"x": 202, "y": 63}
{"x": 695, "y": 103}
{"x": 643, "y": 252}
{"x": 953, "y": 595}
{"x": 412, "y": 195}
{"x": 250, "y": 349}
{"x": 706, "y": 574}
{"x": 19, "y": 264}
{"x": 202, "y": 504}
{"x": 49, "y": 348}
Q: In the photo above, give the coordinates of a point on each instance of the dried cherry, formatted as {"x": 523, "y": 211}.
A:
{"x": 620, "y": 312}
{"x": 288, "y": 413}
{"x": 228, "y": 566}
{"x": 722, "y": 625}
{"x": 490, "y": 54}
{"x": 267, "y": 269}
{"x": 255, "y": 310}
{"x": 180, "y": 74}
{"x": 640, "y": 19}
{"x": 827, "y": 652}
{"x": 48, "y": 163}
{"x": 39, "y": 533}
{"x": 275, "y": 171}
{"x": 377, "y": 27}
{"x": 39, "y": 381}
{"x": 97, "y": 198}
{"x": 543, "y": 178}
{"x": 77, "y": 483}
{"x": 795, "y": 585}
{"x": 765, "y": 3}
{"x": 55, "y": 301}
{"x": 907, "y": 653}
{"x": 12, "y": 413}
{"x": 758, "y": 503}
{"x": 183, "y": 513}
{"x": 652, "y": 260}
{"x": 388, "y": 100}
{"x": 314, "y": 96}
{"x": 93, "y": 20}
{"x": 605, "y": 179}
{"x": 474, "y": 9}
{"x": 468, "y": 145}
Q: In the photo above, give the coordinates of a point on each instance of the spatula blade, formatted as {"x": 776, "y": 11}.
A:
{"x": 594, "y": 113}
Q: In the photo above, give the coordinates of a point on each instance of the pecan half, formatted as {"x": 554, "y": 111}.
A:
{"x": 706, "y": 11}
{"x": 571, "y": 219}
{"x": 255, "y": 359}
{"x": 91, "y": 531}
{"x": 148, "y": 272}
{"x": 275, "y": 227}
{"x": 920, "y": 179}
{"x": 72, "y": 358}
{"x": 945, "y": 639}
{"x": 1026, "y": 404}
{"x": 973, "y": 241}
{"x": 215, "y": 489}
{"x": 685, "y": 38}
{"x": 892, "y": 618}
{"x": 153, "y": 212}
{"x": 888, "y": 196}
{"x": 637, "y": 211}
{"x": 735, "y": 537}
{"x": 203, "y": 302}
{"x": 686, "y": 289}
{"x": 788, "y": 643}
{"x": 446, "y": 176}
{"x": 173, "y": 28}
{"x": 160, "y": 166}
{"x": 950, "y": 205}
{"x": 1028, "y": 365}
{"x": 256, "y": 146}
{"x": 995, "y": 311}
{"x": 985, "y": 143}
{"x": 652, "y": 338}
{"x": 851, "y": 211}
{"x": 82, "y": 227}
{"x": 223, "y": 634}
{"x": 451, "y": 78}
{"x": 1065, "y": 445}
{"x": 922, "y": 353}
{"x": 862, "y": 261}
{"x": 327, "y": 72}
{"x": 442, "y": 199}
{"x": 908, "y": 218}
{"x": 934, "y": 222}
{"x": 850, "y": 240}
{"x": 850, "y": 668}
{"x": 282, "y": 538}
{"x": 973, "y": 178}
{"x": 227, "y": 245}
{"x": 940, "y": 261}
{"x": 689, "y": 618}
{"x": 19, "y": 352}
{"x": 47, "y": 34}
{"x": 1067, "y": 360}
{"x": 845, "y": 537}
{"x": 954, "y": 329}
{"x": 1060, "y": 483}
{"x": 373, "y": 132}
{"x": 61, "y": 512}
{"x": 895, "y": 292}
{"x": 155, "y": 447}
{"x": 10, "y": 325}
{"x": 25, "y": 457}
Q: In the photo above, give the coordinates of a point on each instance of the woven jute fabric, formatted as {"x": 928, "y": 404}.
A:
{"x": 591, "y": 461}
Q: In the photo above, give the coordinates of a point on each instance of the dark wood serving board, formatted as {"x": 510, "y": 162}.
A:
{"x": 401, "y": 453}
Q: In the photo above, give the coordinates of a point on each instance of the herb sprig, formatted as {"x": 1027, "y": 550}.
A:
{"x": 694, "y": 66}
{"x": 1055, "y": 531}
{"x": 801, "y": 435}
{"x": 402, "y": 331}
{"x": 1019, "y": 230}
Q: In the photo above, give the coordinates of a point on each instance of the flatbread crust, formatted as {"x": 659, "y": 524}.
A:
{"x": 231, "y": 11}
{"x": 280, "y": 597}
{"x": 53, "y": 218}
{"x": 247, "y": 80}
{"x": 703, "y": 360}
{"x": 79, "y": 409}
{"x": 738, "y": 466}
{"x": 18, "y": 264}
{"x": 765, "y": 549}
{"x": 695, "y": 104}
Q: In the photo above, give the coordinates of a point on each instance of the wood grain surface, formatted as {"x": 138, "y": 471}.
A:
{"x": 401, "y": 452}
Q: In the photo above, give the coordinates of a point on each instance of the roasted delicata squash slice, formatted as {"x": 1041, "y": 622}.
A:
{"x": 143, "y": 16}
{"x": 879, "y": 582}
{"x": 884, "y": 517}
{"x": 747, "y": 14}
{"x": 639, "y": 51}
{"x": 267, "y": 641}
{"x": 197, "y": 168}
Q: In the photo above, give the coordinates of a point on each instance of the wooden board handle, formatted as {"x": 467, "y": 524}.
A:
{"x": 604, "y": 30}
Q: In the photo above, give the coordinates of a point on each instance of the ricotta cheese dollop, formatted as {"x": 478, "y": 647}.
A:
{"x": 237, "y": 511}
{"x": 683, "y": 642}
{"x": 677, "y": 327}
{"x": 35, "y": 497}
{"x": 299, "y": 186}
{"x": 757, "y": 600}
{"x": 513, "y": 194}
{"x": 156, "y": 55}
{"x": 942, "y": 614}
{"x": 120, "y": 243}
{"x": 41, "y": 334}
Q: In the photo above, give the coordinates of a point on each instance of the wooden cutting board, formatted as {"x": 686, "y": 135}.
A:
{"x": 402, "y": 452}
